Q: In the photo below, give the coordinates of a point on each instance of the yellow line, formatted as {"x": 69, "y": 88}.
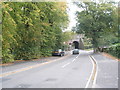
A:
{"x": 30, "y": 67}
{"x": 93, "y": 73}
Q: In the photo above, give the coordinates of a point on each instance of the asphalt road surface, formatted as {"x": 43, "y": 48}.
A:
{"x": 69, "y": 71}
{"x": 72, "y": 71}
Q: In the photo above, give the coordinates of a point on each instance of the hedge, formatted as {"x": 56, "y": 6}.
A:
{"x": 113, "y": 50}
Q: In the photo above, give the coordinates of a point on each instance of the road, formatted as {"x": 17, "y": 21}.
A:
{"x": 70, "y": 71}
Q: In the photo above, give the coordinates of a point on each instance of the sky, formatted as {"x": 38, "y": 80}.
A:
{"x": 72, "y": 8}
{"x": 71, "y": 12}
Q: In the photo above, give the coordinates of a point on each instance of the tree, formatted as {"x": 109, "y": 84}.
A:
{"x": 35, "y": 29}
{"x": 96, "y": 21}
{"x": 8, "y": 35}
{"x": 0, "y": 29}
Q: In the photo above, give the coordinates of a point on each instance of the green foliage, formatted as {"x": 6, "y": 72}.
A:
{"x": 32, "y": 29}
{"x": 0, "y": 30}
{"x": 98, "y": 21}
{"x": 113, "y": 50}
{"x": 8, "y": 34}
{"x": 68, "y": 35}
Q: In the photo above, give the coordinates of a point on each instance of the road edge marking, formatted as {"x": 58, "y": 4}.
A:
{"x": 95, "y": 78}
{"x": 91, "y": 73}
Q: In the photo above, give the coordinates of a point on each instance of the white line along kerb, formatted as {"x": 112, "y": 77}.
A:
{"x": 95, "y": 78}
{"x": 90, "y": 74}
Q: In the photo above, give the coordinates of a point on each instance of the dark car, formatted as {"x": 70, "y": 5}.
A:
{"x": 58, "y": 52}
{"x": 75, "y": 51}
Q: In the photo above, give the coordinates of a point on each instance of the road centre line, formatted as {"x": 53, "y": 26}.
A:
{"x": 70, "y": 62}
{"x": 75, "y": 58}
{"x": 65, "y": 65}
{"x": 92, "y": 73}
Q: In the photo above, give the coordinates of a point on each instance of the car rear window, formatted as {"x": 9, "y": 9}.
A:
{"x": 59, "y": 50}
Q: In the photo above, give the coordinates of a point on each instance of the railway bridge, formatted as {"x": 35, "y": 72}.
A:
{"x": 77, "y": 42}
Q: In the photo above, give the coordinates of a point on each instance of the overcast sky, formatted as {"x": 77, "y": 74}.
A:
{"x": 71, "y": 12}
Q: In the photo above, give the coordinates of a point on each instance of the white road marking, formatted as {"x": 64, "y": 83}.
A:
{"x": 70, "y": 62}
{"x": 65, "y": 65}
{"x": 95, "y": 78}
{"x": 91, "y": 73}
{"x": 73, "y": 60}
{"x": 77, "y": 56}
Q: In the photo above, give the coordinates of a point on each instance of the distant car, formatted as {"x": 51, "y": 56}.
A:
{"x": 75, "y": 51}
{"x": 58, "y": 52}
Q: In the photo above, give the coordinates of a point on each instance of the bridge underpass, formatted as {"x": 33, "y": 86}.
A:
{"x": 78, "y": 44}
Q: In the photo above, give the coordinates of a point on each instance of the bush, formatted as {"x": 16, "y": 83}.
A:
{"x": 113, "y": 50}
{"x": 6, "y": 56}
{"x": 88, "y": 47}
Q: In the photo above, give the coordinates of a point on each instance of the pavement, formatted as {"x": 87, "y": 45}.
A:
{"x": 69, "y": 71}
{"x": 20, "y": 64}
{"x": 107, "y": 72}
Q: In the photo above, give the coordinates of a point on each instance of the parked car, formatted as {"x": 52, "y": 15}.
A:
{"x": 58, "y": 52}
{"x": 75, "y": 51}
